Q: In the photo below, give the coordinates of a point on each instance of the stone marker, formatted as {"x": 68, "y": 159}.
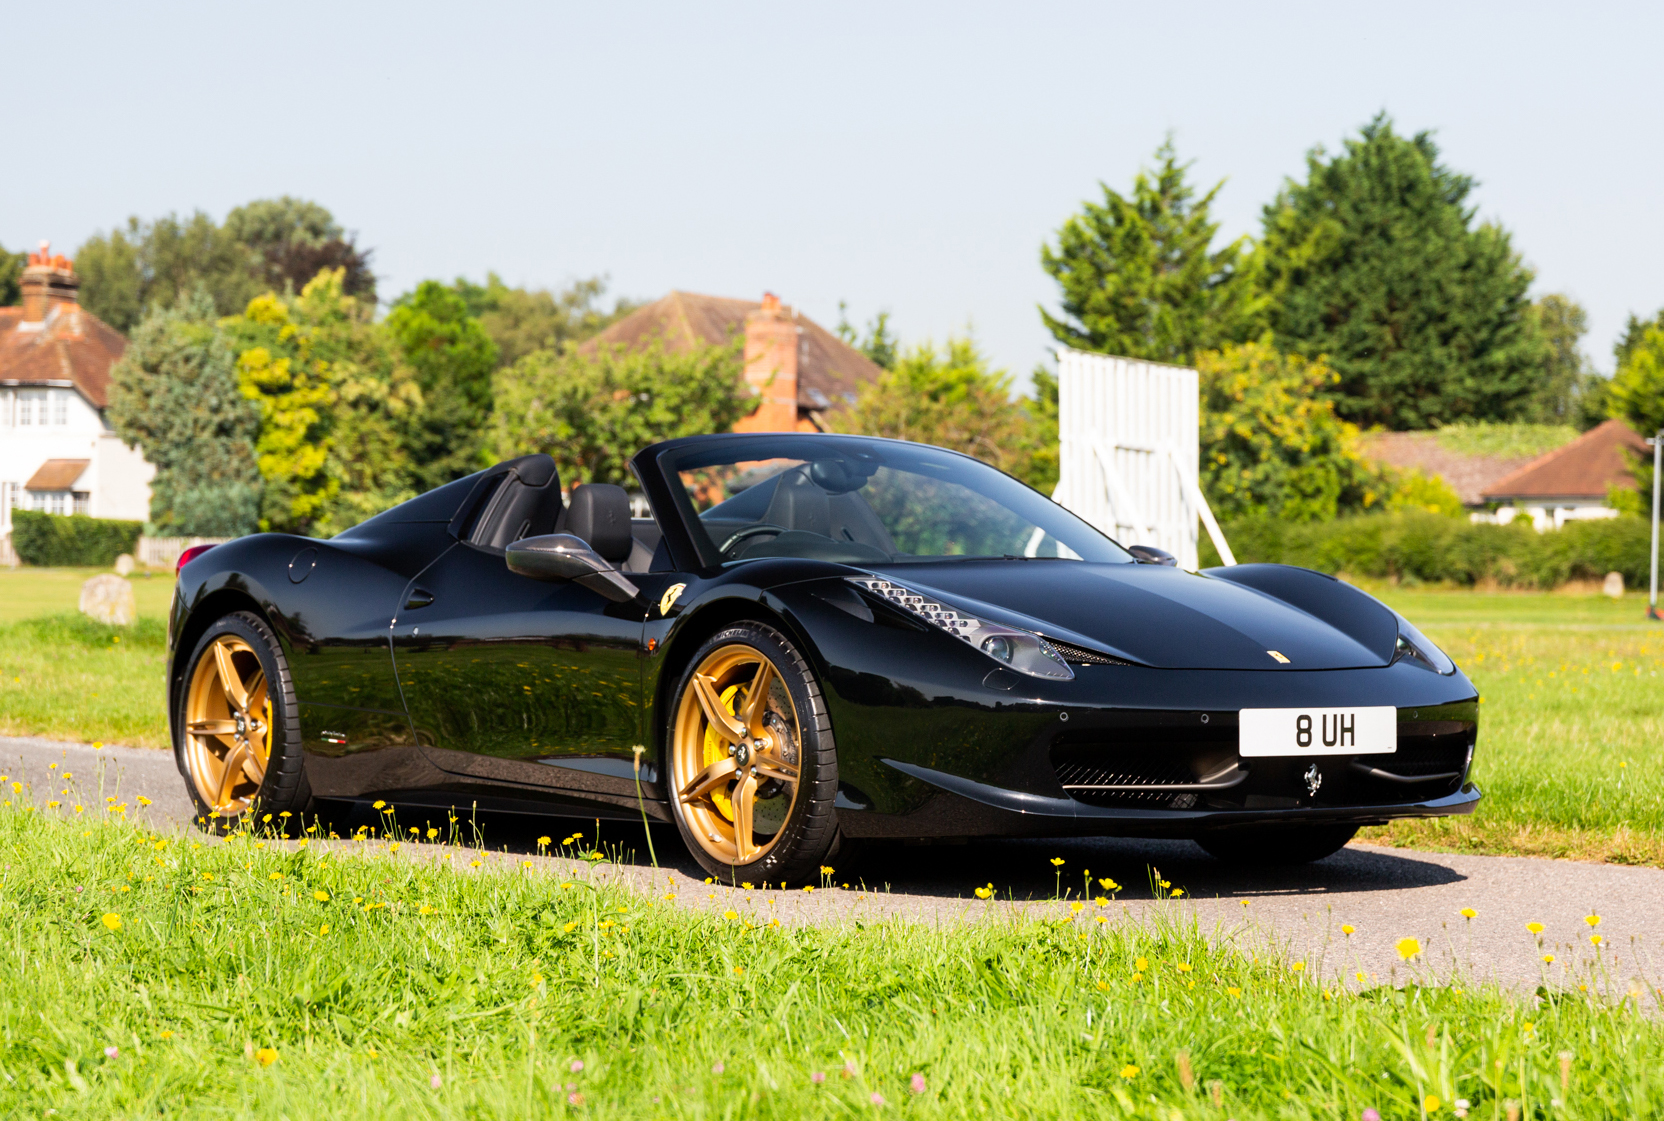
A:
{"x": 124, "y": 564}
{"x": 109, "y": 599}
{"x": 1613, "y": 585}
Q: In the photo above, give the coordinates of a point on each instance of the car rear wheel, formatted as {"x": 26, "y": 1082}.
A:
{"x": 1287, "y": 844}
{"x": 753, "y": 769}
{"x": 237, "y": 736}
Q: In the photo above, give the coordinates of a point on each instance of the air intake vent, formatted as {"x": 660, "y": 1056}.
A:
{"x": 1081, "y": 656}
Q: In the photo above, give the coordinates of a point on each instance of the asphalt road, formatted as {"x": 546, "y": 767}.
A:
{"x": 1386, "y": 894}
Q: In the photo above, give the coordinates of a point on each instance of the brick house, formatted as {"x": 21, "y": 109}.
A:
{"x": 800, "y": 369}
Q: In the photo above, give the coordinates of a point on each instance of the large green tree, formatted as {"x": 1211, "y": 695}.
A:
{"x": 453, "y": 359}
{"x": 270, "y": 245}
{"x": 11, "y": 271}
{"x": 1140, "y": 277}
{"x": 1377, "y": 263}
{"x": 521, "y": 320}
{"x": 174, "y": 395}
{"x": 1566, "y": 373}
{"x": 591, "y": 410}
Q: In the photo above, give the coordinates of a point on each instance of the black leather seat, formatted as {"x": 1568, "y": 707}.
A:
{"x": 600, "y": 514}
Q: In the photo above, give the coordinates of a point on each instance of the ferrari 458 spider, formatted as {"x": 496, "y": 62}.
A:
{"x": 808, "y": 639}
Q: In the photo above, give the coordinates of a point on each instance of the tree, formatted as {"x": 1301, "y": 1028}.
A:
{"x": 335, "y": 407}
{"x": 879, "y": 345}
{"x": 273, "y": 244}
{"x": 949, "y": 398}
{"x": 453, "y": 359}
{"x": 174, "y": 395}
{"x": 1375, "y": 262}
{"x": 521, "y": 321}
{"x": 1637, "y": 392}
{"x": 1567, "y": 375}
{"x": 1271, "y": 443}
{"x": 1139, "y": 276}
{"x": 592, "y": 411}
{"x": 1635, "y": 331}
{"x": 11, "y": 272}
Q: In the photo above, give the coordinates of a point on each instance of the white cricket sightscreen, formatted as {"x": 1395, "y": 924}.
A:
{"x": 1129, "y": 458}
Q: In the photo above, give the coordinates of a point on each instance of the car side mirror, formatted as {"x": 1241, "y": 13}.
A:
{"x": 1149, "y": 554}
{"x": 562, "y": 556}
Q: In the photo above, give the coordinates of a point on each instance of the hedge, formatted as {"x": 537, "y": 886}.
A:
{"x": 1417, "y": 546}
{"x": 77, "y": 539}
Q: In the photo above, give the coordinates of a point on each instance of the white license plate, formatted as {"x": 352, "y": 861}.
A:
{"x": 1266, "y": 732}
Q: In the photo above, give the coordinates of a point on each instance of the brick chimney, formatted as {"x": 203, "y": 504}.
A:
{"x": 771, "y": 349}
{"x": 49, "y": 284}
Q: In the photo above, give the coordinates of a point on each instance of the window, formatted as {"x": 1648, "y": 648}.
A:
{"x": 60, "y": 407}
{"x": 25, "y": 408}
{"x": 81, "y": 498}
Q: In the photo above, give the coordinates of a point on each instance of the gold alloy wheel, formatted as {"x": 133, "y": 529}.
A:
{"x": 228, "y": 726}
{"x": 735, "y": 754}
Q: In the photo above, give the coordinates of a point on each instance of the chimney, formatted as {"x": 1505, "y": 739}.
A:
{"x": 49, "y": 284}
{"x": 771, "y": 347}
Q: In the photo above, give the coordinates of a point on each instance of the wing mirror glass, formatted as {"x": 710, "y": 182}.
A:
{"x": 562, "y": 556}
{"x": 1149, "y": 554}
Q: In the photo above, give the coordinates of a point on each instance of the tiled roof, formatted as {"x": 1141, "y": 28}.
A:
{"x": 1587, "y": 467}
{"x": 829, "y": 371}
{"x": 1468, "y": 475}
{"x": 57, "y": 474}
{"x": 72, "y": 346}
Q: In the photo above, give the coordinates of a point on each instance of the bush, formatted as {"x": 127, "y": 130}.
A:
{"x": 1417, "y": 546}
{"x": 77, "y": 539}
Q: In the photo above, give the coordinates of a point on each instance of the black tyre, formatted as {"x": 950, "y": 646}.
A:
{"x": 751, "y": 767}
{"x": 1277, "y": 844}
{"x": 237, "y": 731}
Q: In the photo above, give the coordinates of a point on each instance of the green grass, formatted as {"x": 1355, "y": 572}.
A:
{"x": 392, "y": 986}
{"x": 28, "y": 592}
{"x": 67, "y": 677}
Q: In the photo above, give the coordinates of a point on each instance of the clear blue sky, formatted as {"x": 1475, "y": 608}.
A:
{"x": 909, "y": 157}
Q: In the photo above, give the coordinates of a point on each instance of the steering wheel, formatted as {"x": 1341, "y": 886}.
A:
{"x": 748, "y": 532}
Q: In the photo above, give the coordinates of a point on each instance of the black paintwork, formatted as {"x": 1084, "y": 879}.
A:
{"x": 428, "y": 672}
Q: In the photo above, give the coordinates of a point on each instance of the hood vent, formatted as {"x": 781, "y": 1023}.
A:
{"x": 1081, "y": 656}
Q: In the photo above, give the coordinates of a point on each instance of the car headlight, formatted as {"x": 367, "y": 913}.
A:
{"x": 1414, "y": 645}
{"x": 1020, "y": 650}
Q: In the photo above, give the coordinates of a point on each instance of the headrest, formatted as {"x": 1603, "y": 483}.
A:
{"x": 799, "y": 504}
{"x": 600, "y": 514}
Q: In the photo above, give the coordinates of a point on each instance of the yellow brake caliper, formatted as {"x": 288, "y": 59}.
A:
{"x": 717, "y": 748}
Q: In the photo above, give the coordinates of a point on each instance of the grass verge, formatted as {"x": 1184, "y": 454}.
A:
{"x": 148, "y": 974}
{"x": 67, "y": 677}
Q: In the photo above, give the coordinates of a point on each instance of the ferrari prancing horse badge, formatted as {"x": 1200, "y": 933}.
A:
{"x": 671, "y": 595}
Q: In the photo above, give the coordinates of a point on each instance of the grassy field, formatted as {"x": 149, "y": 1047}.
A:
{"x": 1572, "y": 718}
{"x": 249, "y": 979}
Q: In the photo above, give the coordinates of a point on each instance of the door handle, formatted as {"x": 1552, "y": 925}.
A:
{"x": 418, "y": 598}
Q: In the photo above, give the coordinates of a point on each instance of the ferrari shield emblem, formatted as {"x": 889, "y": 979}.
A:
{"x": 671, "y": 595}
{"x": 1281, "y": 658}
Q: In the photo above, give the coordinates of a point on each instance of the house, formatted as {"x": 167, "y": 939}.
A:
{"x": 799, "y": 368}
{"x": 1468, "y": 475}
{"x": 1572, "y": 481}
{"x": 58, "y": 452}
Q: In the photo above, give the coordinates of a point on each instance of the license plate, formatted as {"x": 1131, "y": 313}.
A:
{"x": 1265, "y": 732}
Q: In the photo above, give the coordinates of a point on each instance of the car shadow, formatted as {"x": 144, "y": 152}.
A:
{"x": 1017, "y": 868}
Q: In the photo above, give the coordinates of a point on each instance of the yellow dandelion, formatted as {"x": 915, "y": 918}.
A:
{"x": 1129, "y": 1072}
{"x": 1468, "y": 913}
{"x": 321, "y": 896}
{"x": 827, "y": 869}
{"x": 1234, "y": 991}
{"x": 1057, "y": 861}
{"x": 1360, "y": 976}
{"x": 1592, "y": 920}
{"x": 324, "y": 929}
{"x": 1431, "y": 1103}
{"x": 1178, "y": 891}
{"x": 1534, "y": 927}
{"x": 543, "y": 842}
{"x": 113, "y": 921}
{"x": 730, "y": 915}
{"x": 266, "y": 1056}
{"x": 474, "y": 863}
{"x": 1348, "y": 929}
{"x": 378, "y": 804}
{"x": 1099, "y": 918}
{"x": 985, "y": 892}
{"x": 1077, "y": 906}
{"x": 1141, "y": 964}
{"x": 1595, "y": 939}
{"x": 1298, "y": 966}
{"x": 142, "y": 800}
{"x": 570, "y": 927}
{"x": 432, "y": 833}
{"x": 1548, "y": 959}
{"x": 424, "y": 909}
{"x": 1108, "y": 884}
{"x": 1407, "y": 948}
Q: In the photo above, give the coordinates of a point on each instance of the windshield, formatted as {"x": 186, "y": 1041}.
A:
{"x": 866, "y": 502}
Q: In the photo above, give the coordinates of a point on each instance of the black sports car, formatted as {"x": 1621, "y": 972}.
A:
{"x": 811, "y": 638}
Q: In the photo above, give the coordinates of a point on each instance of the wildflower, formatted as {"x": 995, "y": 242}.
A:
{"x": 574, "y": 1098}
{"x": 268, "y": 817}
{"x": 112, "y": 921}
{"x": 111, "y": 1052}
{"x": 1462, "y": 1106}
{"x": 378, "y": 804}
{"x": 424, "y": 909}
{"x": 324, "y": 929}
{"x": 1100, "y": 918}
{"x": 817, "y": 1077}
{"x": 1407, "y": 948}
{"x": 1077, "y": 906}
{"x": 1108, "y": 884}
{"x": 266, "y": 1056}
{"x": 1141, "y": 964}
{"x": 1057, "y": 862}
{"x": 717, "y": 1068}
{"x": 730, "y": 915}
{"x": 1361, "y": 977}
{"x": 1534, "y": 927}
{"x": 167, "y": 1035}
{"x": 1298, "y": 966}
{"x": 432, "y": 833}
{"x": 525, "y": 864}
{"x": 827, "y": 869}
{"x": 1594, "y": 939}
{"x": 275, "y": 876}
{"x": 570, "y": 927}
{"x": 543, "y": 842}
{"x": 474, "y": 863}
{"x": 53, "y": 805}
{"x": 1369, "y": 1115}
{"x": 1468, "y": 913}
{"x": 1178, "y": 891}
{"x": 747, "y": 887}
{"x": 1129, "y": 1072}
{"x": 435, "y": 1082}
{"x": 142, "y": 800}
{"x": 1548, "y": 959}
{"x": 1234, "y": 991}
{"x": 577, "y": 1065}
{"x": 916, "y": 1083}
{"x": 1431, "y": 1103}
{"x": 1348, "y": 929}
{"x": 1184, "y": 967}
{"x": 806, "y": 887}
{"x": 1528, "y": 1027}
{"x": 321, "y": 896}
{"x": 985, "y": 892}
{"x": 1592, "y": 920}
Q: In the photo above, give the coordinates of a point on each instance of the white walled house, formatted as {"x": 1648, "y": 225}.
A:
{"x": 58, "y": 452}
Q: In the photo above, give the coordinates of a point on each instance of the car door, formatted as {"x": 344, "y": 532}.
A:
{"x": 521, "y": 681}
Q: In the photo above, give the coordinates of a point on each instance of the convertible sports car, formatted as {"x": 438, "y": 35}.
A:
{"x": 813, "y": 638}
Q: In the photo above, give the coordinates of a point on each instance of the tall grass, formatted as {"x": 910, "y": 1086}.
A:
{"x": 151, "y": 975}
